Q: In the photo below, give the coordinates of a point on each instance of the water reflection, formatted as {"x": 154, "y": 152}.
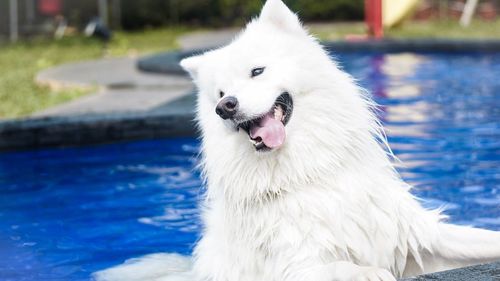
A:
{"x": 442, "y": 116}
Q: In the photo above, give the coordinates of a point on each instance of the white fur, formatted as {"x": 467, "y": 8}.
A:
{"x": 328, "y": 204}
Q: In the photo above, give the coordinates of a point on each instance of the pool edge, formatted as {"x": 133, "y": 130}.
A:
{"x": 486, "y": 272}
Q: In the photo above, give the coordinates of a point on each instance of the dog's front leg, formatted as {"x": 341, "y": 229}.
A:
{"x": 344, "y": 271}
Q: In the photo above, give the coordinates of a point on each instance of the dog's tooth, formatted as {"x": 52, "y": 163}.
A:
{"x": 278, "y": 112}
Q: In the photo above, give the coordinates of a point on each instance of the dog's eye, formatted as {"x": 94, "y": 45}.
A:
{"x": 257, "y": 71}
{"x": 221, "y": 94}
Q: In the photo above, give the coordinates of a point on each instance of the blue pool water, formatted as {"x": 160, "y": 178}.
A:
{"x": 65, "y": 213}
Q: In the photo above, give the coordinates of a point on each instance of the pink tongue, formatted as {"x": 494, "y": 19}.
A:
{"x": 270, "y": 130}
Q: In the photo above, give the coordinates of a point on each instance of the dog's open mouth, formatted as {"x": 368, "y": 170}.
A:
{"x": 268, "y": 131}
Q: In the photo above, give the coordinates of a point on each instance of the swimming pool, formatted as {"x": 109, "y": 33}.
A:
{"x": 65, "y": 213}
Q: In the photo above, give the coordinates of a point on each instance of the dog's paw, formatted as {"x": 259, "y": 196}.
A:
{"x": 375, "y": 274}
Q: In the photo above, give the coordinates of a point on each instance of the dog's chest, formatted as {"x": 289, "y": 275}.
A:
{"x": 263, "y": 238}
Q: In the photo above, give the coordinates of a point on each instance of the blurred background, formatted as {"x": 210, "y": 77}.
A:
{"x": 39, "y": 34}
{"x": 31, "y": 18}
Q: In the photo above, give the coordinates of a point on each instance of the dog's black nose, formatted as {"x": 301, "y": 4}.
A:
{"x": 227, "y": 107}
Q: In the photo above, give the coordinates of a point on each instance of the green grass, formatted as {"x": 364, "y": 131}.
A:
{"x": 20, "y": 62}
{"x": 429, "y": 29}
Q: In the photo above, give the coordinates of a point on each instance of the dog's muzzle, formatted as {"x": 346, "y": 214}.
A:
{"x": 266, "y": 131}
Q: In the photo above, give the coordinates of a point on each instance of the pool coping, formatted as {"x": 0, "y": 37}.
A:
{"x": 481, "y": 272}
{"x": 86, "y": 130}
{"x": 175, "y": 119}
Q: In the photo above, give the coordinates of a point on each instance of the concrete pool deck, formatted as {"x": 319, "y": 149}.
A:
{"x": 122, "y": 88}
{"x": 119, "y": 79}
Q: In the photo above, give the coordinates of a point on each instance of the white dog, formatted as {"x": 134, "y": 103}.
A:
{"x": 300, "y": 183}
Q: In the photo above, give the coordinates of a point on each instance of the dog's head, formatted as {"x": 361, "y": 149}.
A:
{"x": 275, "y": 96}
{"x": 251, "y": 85}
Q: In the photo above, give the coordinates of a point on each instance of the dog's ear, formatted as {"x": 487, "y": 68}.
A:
{"x": 192, "y": 64}
{"x": 277, "y": 13}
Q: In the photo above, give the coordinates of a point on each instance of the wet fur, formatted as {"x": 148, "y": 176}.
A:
{"x": 328, "y": 205}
